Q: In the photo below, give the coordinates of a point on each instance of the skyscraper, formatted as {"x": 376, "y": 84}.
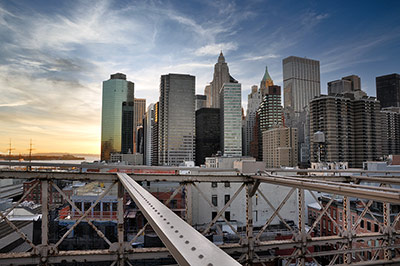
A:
{"x": 351, "y": 124}
{"x": 154, "y": 134}
{"x": 231, "y": 119}
{"x": 117, "y": 116}
{"x": 301, "y": 82}
{"x": 148, "y": 132}
{"x": 208, "y": 132}
{"x": 390, "y": 118}
{"x": 388, "y": 90}
{"x": 221, "y": 76}
{"x": 253, "y": 103}
{"x": 140, "y": 109}
{"x": 346, "y": 84}
{"x": 176, "y": 119}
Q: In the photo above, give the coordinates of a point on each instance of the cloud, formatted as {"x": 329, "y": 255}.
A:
{"x": 215, "y": 48}
{"x": 260, "y": 57}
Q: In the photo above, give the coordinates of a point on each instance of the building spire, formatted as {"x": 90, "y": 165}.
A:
{"x": 266, "y": 75}
{"x": 221, "y": 58}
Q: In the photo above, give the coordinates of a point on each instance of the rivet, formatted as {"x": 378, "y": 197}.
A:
{"x": 193, "y": 248}
{"x": 187, "y": 242}
{"x": 201, "y": 256}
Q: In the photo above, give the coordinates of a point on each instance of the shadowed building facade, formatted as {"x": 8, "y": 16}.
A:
{"x": 388, "y": 90}
{"x": 117, "y": 116}
{"x": 176, "y": 119}
{"x": 208, "y": 133}
{"x": 139, "y": 111}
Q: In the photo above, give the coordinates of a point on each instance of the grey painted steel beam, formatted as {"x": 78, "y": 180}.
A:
{"x": 186, "y": 244}
{"x": 354, "y": 191}
{"x": 7, "y": 174}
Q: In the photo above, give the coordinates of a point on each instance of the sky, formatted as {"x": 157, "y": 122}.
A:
{"x": 54, "y": 55}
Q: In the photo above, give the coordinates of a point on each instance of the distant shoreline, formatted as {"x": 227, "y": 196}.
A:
{"x": 41, "y": 157}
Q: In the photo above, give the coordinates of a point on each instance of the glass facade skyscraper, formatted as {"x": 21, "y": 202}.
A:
{"x": 117, "y": 116}
{"x": 231, "y": 119}
{"x": 176, "y": 119}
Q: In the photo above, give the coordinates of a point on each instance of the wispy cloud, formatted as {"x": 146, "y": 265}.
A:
{"x": 213, "y": 49}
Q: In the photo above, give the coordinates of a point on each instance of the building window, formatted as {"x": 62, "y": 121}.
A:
{"x": 228, "y": 216}
{"x": 329, "y": 226}
{"x": 214, "y": 184}
{"x": 334, "y": 214}
{"x": 227, "y": 198}
{"x": 227, "y": 184}
{"x": 324, "y": 224}
{"x": 214, "y": 200}
{"x": 213, "y": 215}
{"x": 368, "y": 226}
{"x": 106, "y": 206}
{"x": 353, "y": 219}
{"x": 362, "y": 224}
{"x": 376, "y": 228}
{"x": 340, "y": 216}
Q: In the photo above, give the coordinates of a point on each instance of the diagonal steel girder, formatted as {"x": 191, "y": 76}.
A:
{"x": 186, "y": 244}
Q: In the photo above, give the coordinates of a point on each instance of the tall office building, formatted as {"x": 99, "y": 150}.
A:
{"x": 280, "y": 147}
{"x": 117, "y": 116}
{"x": 208, "y": 132}
{"x": 176, "y": 119}
{"x": 351, "y": 126}
{"x": 154, "y": 134}
{"x": 346, "y": 84}
{"x": 148, "y": 131}
{"x": 221, "y": 76}
{"x": 139, "y": 111}
{"x": 231, "y": 119}
{"x": 390, "y": 118}
{"x": 301, "y": 82}
{"x": 388, "y": 90}
{"x": 269, "y": 113}
{"x": 253, "y": 102}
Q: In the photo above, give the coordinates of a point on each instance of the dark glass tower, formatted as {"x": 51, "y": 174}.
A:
{"x": 388, "y": 90}
{"x": 117, "y": 116}
{"x": 208, "y": 131}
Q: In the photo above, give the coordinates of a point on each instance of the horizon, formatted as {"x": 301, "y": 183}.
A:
{"x": 55, "y": 56}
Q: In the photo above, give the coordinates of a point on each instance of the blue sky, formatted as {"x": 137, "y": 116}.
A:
{"x": 55, "y": 54}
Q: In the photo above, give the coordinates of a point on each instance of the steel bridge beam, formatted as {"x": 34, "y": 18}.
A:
{"x": 185, "y": 243}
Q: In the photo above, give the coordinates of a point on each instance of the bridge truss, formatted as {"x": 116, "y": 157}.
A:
{"x": 189, "y": 246}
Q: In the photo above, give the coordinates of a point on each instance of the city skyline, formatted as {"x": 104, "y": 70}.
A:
{"x": 55, "y": 56}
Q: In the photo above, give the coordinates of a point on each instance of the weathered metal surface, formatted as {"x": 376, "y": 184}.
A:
{"x": 186, "y": 244}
